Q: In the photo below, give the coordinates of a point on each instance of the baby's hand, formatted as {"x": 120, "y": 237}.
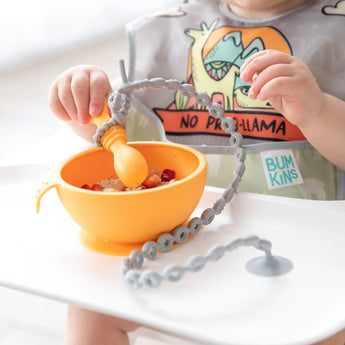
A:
{"x": 286, "y": 83}
{"x": 78, "y": 93}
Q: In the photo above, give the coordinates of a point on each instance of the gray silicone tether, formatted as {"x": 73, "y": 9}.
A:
{"x": 267, "y": 265}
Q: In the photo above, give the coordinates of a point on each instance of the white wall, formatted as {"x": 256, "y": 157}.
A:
{"x": 30, "y": 28}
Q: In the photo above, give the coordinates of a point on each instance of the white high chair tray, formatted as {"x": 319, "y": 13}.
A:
{"x": 221, "y": 304}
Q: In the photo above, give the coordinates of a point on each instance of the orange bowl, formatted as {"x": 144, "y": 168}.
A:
{"x": 117, "y": 222}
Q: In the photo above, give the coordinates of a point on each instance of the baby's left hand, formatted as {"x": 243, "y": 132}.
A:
{"x": 286, "y": 83}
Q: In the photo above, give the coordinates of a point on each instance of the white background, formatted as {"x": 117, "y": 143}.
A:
{"x": 31, "y": 28}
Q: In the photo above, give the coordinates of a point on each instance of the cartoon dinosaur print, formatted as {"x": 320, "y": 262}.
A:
{"x": 201, "y": 79}
{"x": 218, "y": 73}
{"x": 215, "y": 57}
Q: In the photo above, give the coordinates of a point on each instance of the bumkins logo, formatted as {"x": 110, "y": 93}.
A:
{"x": 280, "y": 168}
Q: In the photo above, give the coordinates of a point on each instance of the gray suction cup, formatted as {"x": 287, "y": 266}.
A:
{"x": 269, "y": 266}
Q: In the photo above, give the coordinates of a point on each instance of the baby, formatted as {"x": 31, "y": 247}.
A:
{"x": 278, "y": 76}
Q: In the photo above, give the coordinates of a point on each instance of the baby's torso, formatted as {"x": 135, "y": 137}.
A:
{"x": 203, "y": 44}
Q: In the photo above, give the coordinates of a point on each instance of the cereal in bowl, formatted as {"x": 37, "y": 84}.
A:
{"x": 114, "y": 184}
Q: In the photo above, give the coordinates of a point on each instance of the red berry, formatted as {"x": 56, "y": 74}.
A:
{"x": 152, "y": 180}
{"x": 97, "y": 187}
{"x": 85, "y": 186}
{"x": 168, "y": 175}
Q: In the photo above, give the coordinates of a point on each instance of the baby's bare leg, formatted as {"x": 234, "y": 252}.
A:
{"x": 337, "y": 339}
{"x": 85, "y": 327}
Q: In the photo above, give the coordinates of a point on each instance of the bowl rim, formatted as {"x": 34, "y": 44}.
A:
{"x": 202, "y": 166}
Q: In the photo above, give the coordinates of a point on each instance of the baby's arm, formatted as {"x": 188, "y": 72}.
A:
{"x": 78, "y": 93}
{"x": 289, "y": 86}
{"x": 86, "y": 327}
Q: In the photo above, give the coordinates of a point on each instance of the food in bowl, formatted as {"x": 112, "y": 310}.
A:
{"x": 114, "y": 184}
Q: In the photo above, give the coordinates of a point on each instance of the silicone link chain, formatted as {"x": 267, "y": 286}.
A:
{"x": 119, "y": 103}
{"x": 173, "y": 272}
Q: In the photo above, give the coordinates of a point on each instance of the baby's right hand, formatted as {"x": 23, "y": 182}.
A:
{"x": 78, "y": 93}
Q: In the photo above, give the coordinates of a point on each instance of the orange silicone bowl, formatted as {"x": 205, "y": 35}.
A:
{"x": 115, "y": 223}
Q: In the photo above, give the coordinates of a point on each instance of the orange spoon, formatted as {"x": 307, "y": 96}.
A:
{"x": 130, "y": 165}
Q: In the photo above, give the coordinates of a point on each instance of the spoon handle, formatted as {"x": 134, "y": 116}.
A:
{"x": 103, "y": 117}
{"x": 129, "y": 164}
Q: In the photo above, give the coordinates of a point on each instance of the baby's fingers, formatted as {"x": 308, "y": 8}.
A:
{"x": 282, "y": 86}
{"x": 66, "y": 98}
{"x": 271, "y": 73}
{"x": 80, "y": 88}
{"x": 55, "y": 104}
{"x": 100, "y": 88}
{"x": 251, "y": 58}
{"x": 262, "y": 60}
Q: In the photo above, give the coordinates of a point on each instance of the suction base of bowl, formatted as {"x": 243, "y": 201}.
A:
{"x": 108, "y": 247}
